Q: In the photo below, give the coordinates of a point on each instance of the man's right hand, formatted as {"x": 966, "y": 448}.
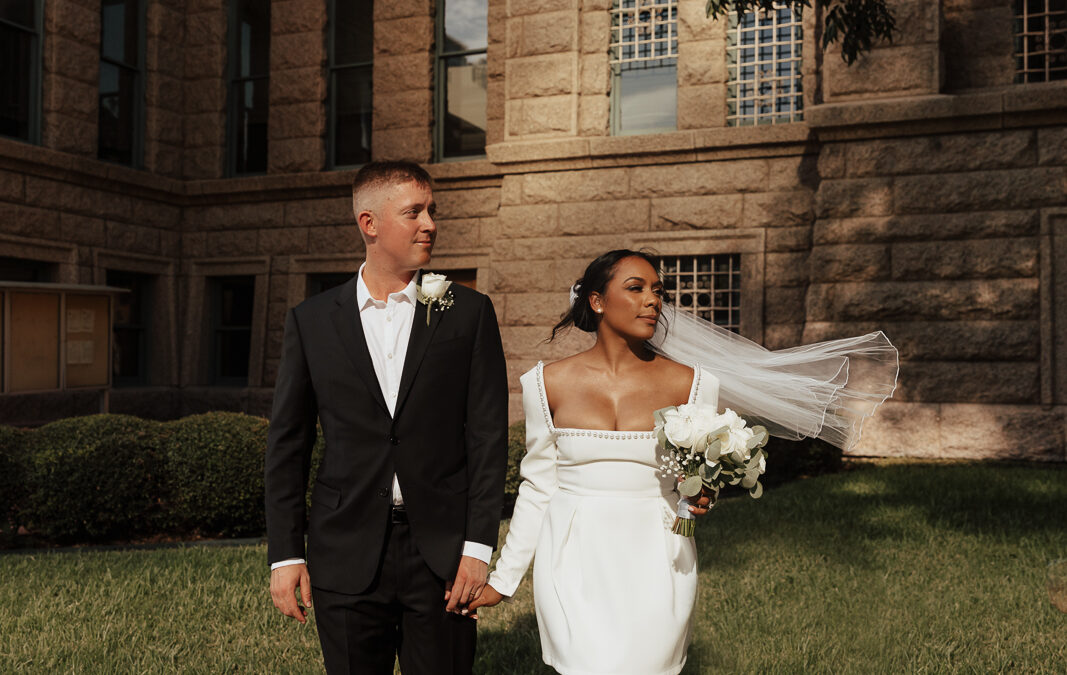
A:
{"x": 283, "y": 584}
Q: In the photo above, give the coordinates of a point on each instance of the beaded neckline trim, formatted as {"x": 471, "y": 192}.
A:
{"x": 607, "y": 434}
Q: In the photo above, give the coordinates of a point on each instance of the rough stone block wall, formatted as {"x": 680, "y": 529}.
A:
{"x": 977, "y": 44}
{"x": 403, "y": 80}
{"x": 204, "y": 89}
{"x": 542, "y": 71}
{"x": 297, "y": 120}
{"x": 909, "y": 66}
{"x": 935, "y": 240}
{"x": 70, "y": 76}
{"x": 164, "y": 90}
{"x": 701, "y": 67}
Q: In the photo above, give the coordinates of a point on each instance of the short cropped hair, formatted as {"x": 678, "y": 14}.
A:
{"x": 376, "y": 175}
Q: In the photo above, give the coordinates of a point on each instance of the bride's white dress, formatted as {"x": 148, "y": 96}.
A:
{"x": 614, "y": 588}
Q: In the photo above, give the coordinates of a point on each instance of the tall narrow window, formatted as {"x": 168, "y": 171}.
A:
{"x": 249, "y": 64}
{"x": 644, "y": 66}
{"x": 130, "y": 354}
{"x": 232, "y": 298}
{"x": 763, "y": 60}
{"x": 462, "y": 78}
{"x": 121, "y": 81}
{"x": 351, "y": 52}
{"x": 317, "y": 283}
{"x": 20, "y": 69}
{"x": 1040, "y": 40}
{"x": 708, "y": 286}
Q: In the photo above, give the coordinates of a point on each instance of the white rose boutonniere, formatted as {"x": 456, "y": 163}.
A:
{"x": 433, "y": 292}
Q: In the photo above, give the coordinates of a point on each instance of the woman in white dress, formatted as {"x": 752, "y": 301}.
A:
{"x": 614, "y": 588}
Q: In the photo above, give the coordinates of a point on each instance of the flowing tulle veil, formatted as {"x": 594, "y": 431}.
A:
{"x": 823, "y": 390}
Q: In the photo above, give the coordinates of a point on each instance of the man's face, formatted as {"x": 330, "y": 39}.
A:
{"x": 404, "y": 227}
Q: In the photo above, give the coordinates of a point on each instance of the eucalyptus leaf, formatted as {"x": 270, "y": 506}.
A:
{"x": 690, "y": 487}
{"x": 748, "y": 481}
{"x": 713, "y": 448}
{"x": 658, "y": 415}
{"x": 758, "y": 440}
{"x": 756, "y": 491}
{"x": 661, "y": 438}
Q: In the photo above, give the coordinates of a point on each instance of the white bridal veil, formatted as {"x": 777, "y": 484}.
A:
{"x": 822, "y": 390}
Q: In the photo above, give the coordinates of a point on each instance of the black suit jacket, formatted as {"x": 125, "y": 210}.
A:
{"x": 447, "y": 442}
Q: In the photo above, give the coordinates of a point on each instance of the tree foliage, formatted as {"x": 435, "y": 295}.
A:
{"x": 858, "y": 24}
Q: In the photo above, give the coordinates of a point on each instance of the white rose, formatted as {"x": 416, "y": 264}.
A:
{"x": 736, "y": 440}
{"x": 435, "y": 285}
{"x": 680, "y": 427}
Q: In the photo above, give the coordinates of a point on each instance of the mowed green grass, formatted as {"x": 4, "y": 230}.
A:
{"x": 889, "y": 568}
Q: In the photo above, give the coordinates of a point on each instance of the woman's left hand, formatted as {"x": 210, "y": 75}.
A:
{"x": 701, "y": 504}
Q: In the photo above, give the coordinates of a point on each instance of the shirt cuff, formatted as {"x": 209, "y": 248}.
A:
{"x": 285, "y": 563}
{"x": 473, "y": 549}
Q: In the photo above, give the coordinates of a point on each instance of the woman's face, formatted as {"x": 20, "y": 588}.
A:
{"x": 632, "y": 299}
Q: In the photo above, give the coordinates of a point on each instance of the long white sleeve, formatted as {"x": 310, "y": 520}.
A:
{"x": 538, "y": 471}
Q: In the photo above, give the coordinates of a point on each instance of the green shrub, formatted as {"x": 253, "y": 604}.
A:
{"x": 316, "y": 460}
{"x": 214, "y": 468}
{"x": 13, "y": 489}
{"x": 93, "y": 478}
{"x": 512, "y": 479}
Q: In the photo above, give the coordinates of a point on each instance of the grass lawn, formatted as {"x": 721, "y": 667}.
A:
{"x": 888, "y": 568}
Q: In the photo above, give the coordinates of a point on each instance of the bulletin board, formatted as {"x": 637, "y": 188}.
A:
{"x": 88, "y": 328}
{"x": 34, "y": 342}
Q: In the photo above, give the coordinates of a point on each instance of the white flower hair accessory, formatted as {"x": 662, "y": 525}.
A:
{"x": 433, "y": 292}
{"x": 574, "y": 293}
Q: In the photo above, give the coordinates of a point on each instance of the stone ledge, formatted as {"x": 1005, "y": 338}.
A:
{"x": 1042, "y": 97}
{"x": 644, "y": 148}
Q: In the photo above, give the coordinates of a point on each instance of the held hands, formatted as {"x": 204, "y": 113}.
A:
{"x": 283, "y": 584}
{"x": 487, "y": 598}
{"x": 470, "y": 578}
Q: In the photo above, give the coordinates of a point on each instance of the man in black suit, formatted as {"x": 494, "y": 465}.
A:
{"x": 408, "y": 381}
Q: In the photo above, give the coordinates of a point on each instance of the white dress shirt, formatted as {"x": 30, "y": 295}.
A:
{"x": 387, "y": 328}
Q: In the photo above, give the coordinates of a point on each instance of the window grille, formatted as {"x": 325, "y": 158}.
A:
{"x": 233, "y": 299}
{"x": 21, "y": 26}
{"x": 1040, "y": 40}
{"x": 120, "y": 119}
{"x": 350, "y": 50}
{"x": 708, "y": 286}
{"x": 249, "y": 107}
{"x": 763, "y": 59}
{"x": 644, "y": 55}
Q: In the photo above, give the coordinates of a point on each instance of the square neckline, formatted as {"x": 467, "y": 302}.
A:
{"x": 614, "y": 434}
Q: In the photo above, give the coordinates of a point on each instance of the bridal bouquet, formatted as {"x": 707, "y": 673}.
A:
{"x": 707, "y": 449}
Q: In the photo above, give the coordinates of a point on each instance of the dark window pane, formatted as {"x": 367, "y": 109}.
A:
{"x": 233, "y": 327}
{"x": 465, "y": 99}
{"x": 253, "y": 46}
{"x": 466, "y": 25}
{"x": 129, "y": 351}
{"x": 352, "y": 132}
{"x": 22, "y": 12}
{"x": 317, "y": 283}
{"x": 250, "y": 126}
{"x": 235, "y": 306}
{"x": 20, "y": 269}
{"x": 16, "y": 71}
{"x": 119, "y": 23}
{"x": 116, "y": 115}
{"x": 648, "y": 99}
{"x": 353, "y": 32}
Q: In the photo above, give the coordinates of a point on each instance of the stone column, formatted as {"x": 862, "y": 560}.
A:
{"x": 205, "y": 89}
{"x": 164, "y": 99}
{"x": 403, "y": 80}
{"x": 297, "y": 122}
{"x": 71, "y": 76}
{"x": 542, "y": 69}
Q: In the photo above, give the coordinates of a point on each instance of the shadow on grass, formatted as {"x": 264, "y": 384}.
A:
{"x": 848, "y": 517}
{"x": 514, "y": 649}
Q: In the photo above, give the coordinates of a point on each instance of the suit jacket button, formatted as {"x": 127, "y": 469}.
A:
{"x": 394, "y": 440}
{"x": 383, "y": 493}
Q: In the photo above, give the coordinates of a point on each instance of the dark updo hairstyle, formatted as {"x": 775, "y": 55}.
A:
{"x": 595, "y": 279}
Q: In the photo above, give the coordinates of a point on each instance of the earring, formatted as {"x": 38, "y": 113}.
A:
{"x": 599, "y": 311}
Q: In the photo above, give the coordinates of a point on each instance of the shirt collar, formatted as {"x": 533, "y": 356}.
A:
{"x": 364, "y": 298}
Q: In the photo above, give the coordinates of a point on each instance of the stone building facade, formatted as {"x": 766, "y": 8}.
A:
{"x": 921, "y": 191}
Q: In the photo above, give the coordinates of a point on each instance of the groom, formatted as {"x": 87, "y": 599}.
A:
{"x": 411, "y": 393}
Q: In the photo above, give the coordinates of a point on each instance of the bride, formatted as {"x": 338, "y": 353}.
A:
{"x": 614, "y": 587}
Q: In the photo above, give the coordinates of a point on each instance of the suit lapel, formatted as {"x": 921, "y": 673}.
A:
{"x": 421, "y": 333}
{"x": 347, "y": 322}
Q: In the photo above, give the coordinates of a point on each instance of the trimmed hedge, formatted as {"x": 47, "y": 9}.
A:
{"x": 512, "y": 479}
{"x": 214, "y": 474}
{"x": 94, "y": 478}
{"x": 107, "y": 478}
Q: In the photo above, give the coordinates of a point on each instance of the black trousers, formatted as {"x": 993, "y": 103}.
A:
{"x": 402, "y": 614}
